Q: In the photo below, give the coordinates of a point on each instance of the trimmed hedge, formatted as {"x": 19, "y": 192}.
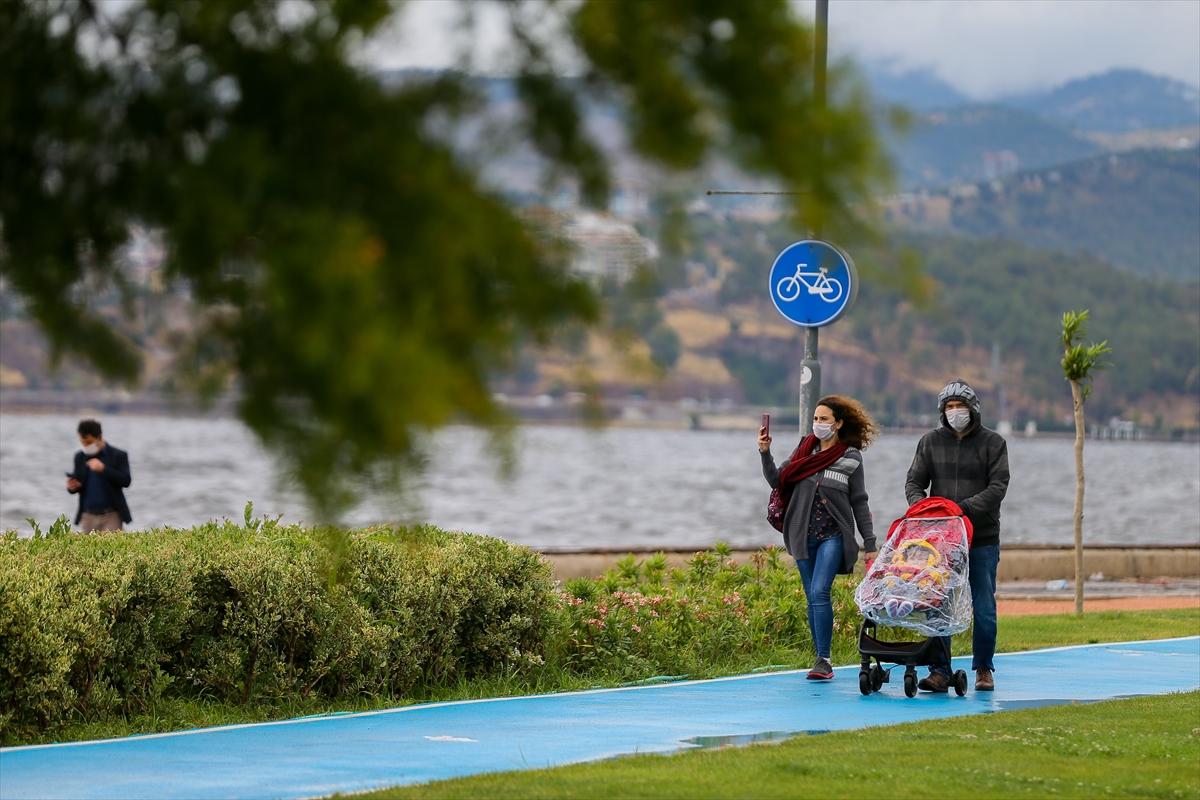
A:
{"x": 107, "y": 623}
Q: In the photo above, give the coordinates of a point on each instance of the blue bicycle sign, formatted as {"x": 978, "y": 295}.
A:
{"x": 820, "y": 284}
{"x": 813, "y": 283}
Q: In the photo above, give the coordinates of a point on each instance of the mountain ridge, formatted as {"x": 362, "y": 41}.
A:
{"x": 1139, "y": 211}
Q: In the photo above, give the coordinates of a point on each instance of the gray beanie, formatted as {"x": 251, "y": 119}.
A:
{"x": 958, "y": 389}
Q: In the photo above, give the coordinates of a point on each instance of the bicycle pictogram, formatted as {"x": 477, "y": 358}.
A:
{"x": 829, "y": 289}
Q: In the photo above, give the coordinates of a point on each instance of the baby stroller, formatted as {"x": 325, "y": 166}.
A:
{"x": 919, "y": 582}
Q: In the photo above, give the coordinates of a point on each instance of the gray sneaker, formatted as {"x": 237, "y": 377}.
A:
{"x": 821, "y": 671}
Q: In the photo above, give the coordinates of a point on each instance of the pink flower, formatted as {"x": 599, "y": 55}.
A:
{"x": 637, "y": 628}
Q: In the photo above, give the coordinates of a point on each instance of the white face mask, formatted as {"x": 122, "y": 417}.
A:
{"x": 823, "y": 431}
{"x": 959, "y": 418}
{"x": 91, "y": 449}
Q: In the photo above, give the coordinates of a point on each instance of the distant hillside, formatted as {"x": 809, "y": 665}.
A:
{"x": 1004, "y": 292}
{"x": 987, "y": 292}
{"x": 916, "y": 89}
{"x": 1138, "y": 210}
{"x": 1117, "y": 101}
{"x": 950, "y": 146}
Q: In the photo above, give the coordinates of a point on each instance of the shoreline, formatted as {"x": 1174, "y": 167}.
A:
{"x": 634, "y": 415}
{"x": 1026, "y": 569}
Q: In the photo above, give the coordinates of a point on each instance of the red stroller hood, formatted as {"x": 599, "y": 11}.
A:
{"x": 935, "y": 507}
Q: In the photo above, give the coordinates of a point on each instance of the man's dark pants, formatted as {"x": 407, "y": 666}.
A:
{"x": 983, "y": 562}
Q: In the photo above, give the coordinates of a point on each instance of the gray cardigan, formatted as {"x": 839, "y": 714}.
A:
{"x": 844, "y": 490}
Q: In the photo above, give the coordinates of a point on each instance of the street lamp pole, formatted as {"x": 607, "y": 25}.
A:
{"x": 810, "y": 366}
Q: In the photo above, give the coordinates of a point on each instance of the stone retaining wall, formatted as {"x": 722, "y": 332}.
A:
{"x": 1016, "y": 563}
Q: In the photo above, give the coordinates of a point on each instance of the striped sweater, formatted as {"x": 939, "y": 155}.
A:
{"x": 843, "y": 489}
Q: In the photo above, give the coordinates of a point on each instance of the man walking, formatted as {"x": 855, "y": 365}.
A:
{"x": 101, "y": 474}
{"x": 967, "y": 463}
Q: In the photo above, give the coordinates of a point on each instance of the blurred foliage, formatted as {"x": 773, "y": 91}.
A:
{"x": 357, "y": 281}
{"x": 705, "y": 73}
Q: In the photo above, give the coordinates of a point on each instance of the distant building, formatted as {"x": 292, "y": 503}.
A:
{"x": 630, "y": 200}
{"x": 919, "y": 210}
{"x": 997, "y": 165}
{"x": 606, "y": 247}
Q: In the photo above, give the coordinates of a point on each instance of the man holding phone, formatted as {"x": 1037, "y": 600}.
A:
{"x": 100, "y": 477}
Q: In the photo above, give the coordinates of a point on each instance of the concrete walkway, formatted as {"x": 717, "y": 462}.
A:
{"x": 355, "y": 752}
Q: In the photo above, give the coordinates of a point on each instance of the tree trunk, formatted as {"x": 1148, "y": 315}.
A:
{"x": 1077, "y": 396}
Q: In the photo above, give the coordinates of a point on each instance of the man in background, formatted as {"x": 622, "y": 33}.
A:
{"x": 967, "y": 463}
{"x": 100, "y": 476}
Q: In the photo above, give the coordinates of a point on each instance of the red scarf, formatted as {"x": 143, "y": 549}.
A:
{"x": 805, "y": 463}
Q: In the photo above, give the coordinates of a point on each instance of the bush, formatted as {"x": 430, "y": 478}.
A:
{"x": 640, "y": 620}
{"x": 261, "y": 620}
{"x": 108, "y": 623}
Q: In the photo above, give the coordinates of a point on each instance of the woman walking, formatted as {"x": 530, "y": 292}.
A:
{"x": 823, "y": 488}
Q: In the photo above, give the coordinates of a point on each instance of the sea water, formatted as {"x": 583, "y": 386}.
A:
{"x": 578, "y": 488}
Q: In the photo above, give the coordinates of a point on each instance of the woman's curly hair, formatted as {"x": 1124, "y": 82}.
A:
{"x": 858, "y": 429}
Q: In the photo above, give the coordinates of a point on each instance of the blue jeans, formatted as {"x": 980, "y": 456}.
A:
{"x": 983, "y": 562}
{"x": 817, "y": 573}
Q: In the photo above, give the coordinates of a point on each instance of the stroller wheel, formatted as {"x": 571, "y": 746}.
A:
{"x": 877, "y": 677}
{"x": 960, "y": 683}
{"x": 864, "y": 682}
{"x": 910, "y": 684}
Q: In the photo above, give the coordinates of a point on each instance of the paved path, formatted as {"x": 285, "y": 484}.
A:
{"x": 1018, "y": 608}
{"x": 355, "y": 752}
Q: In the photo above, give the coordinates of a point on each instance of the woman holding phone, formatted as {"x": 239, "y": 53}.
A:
{"x": 823, "y": 487}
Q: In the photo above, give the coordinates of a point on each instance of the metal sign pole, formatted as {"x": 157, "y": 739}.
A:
{"x": 812, "y": 283}
{"x": 810, "y": 366}
{"x": 810, "y": 380}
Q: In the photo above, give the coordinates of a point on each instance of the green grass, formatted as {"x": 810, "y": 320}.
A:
{"x": 1016, "y": 633}
{"x": 1142, "y": 747}
{"x": 1032, "y": 632}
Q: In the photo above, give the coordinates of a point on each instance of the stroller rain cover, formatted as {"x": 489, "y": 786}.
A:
{"x": 919, "y": 579}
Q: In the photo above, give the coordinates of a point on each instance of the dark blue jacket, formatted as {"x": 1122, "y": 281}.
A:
{"x": 116, "y": 472}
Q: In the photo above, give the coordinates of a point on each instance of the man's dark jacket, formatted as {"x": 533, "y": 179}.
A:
{"x": 971, "y": 471}
{"x": 116, "y": 473}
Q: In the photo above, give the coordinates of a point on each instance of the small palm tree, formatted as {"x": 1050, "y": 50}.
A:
{"x": 1079, "y": 362}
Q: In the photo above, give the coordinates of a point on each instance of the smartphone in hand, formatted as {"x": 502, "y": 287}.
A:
{"x": 766, "y": 424}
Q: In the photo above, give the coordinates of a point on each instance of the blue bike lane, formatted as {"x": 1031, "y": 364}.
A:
{"x": 318, "y": 756}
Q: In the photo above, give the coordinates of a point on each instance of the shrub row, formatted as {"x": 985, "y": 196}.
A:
{"x": 108, "y": 623}
{"x": 642, "y": 619}
{"x": 103, "y": 625}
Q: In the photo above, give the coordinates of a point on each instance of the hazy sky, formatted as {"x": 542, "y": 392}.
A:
{"x": 983, "y": 48}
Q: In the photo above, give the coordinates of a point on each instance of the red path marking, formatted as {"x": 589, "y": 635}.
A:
{"x": 1019, "y": 608}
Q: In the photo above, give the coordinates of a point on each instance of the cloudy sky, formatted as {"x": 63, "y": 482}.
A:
{"x": 984, "y": 48}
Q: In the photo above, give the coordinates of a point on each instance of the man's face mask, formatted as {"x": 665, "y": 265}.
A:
{"x": 959, "y": 418}
{"x": 91, "y": 449}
